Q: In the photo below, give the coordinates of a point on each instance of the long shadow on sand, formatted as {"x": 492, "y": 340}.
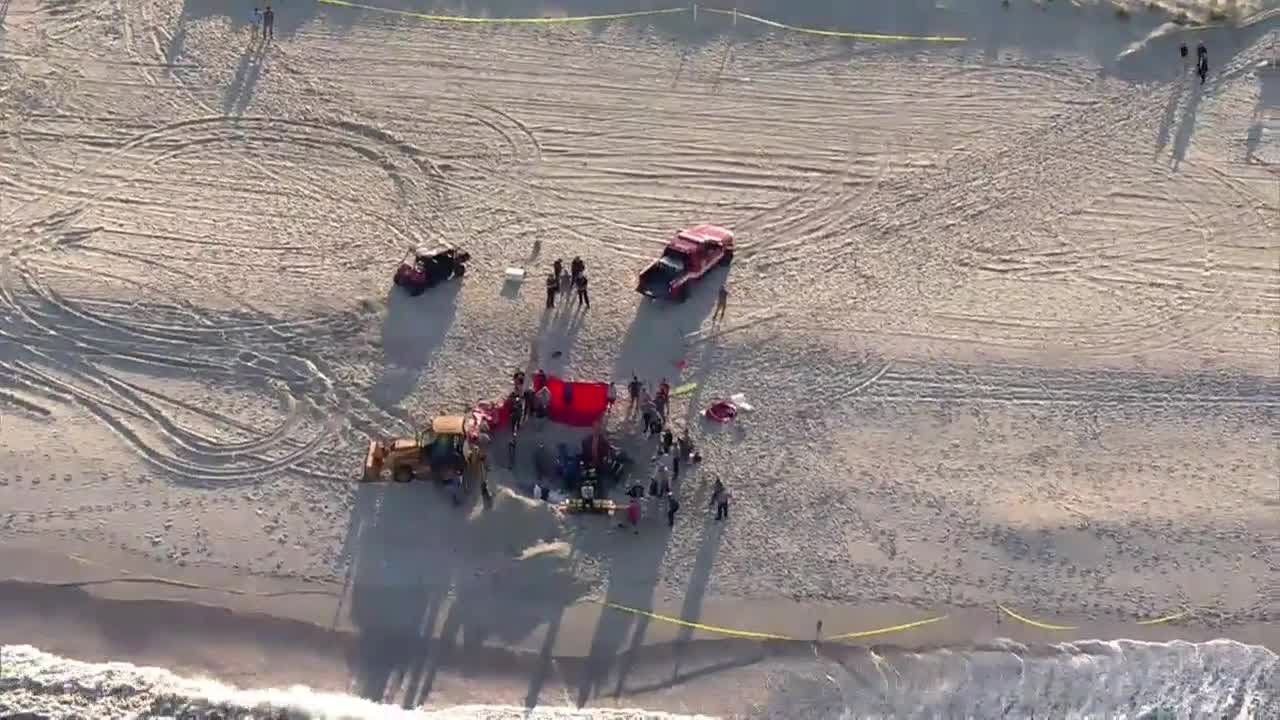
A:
{"x": 660, "y": 334}
{"x": 655, "y": 342}
{"x": 240, "y": 92}
{"x": 412, "y": 332}
{"x": 1268, "y": 101}
{"x": 413, "y": 559}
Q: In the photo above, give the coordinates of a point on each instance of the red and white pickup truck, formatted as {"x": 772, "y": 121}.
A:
{"x": 692, "y": 253}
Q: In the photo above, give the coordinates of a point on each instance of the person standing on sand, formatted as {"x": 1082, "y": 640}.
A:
{"x": 633, "y": 395}
{"x": 722, "y": 303}
{"x": 1203, "y": 68}
{"x": 717, "y": 489}
{"x": 673, "y": 506}
{"x": 566, "y": 283}
{"x": 255, "y": 20}
{"x": 576, "y": 268}
{"x": 516, "y": 402}
{"x": 1182, "y": 50}
{"x": 553, "y": 286}
{"x": 583, "y": 299}
{"x": 633, "y": 513}
{"x": 722, "y": 506}
{"x": 269, "y": 23}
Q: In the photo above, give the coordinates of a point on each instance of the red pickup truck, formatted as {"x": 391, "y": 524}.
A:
{"x": 692, "y": 253}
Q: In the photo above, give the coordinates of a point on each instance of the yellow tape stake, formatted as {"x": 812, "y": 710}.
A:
{"x": 886, "y": 630}
{"x": 511, "y": 21}
{"x": 698, "y": 626}
{"x": 1165, "y": 619}
{"x": 840, "y": 33}
{"x": 1034, "y": 623}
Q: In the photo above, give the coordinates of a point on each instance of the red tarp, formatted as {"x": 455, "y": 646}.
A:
{"x": 588, "y": 401}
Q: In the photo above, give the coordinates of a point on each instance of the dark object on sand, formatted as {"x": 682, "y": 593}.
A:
{"x": 422, "y": 270}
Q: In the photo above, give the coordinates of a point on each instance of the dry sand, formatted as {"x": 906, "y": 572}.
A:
{"x": 1009, "y": 312}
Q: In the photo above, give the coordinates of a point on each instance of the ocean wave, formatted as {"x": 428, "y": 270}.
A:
{"x": 1117, "y": 679}
{"x": 1220, "y": 679}
{"x": 36, "y": 684}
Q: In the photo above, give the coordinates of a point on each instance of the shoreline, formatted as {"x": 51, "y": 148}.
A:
{"x": 298, "y": 634}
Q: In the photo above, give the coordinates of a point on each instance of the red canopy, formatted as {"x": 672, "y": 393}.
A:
{"x": 586, "y": 402}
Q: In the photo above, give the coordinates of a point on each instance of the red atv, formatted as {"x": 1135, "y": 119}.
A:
{"x": 691, "y": 254}
{"x": 429, "y": 269}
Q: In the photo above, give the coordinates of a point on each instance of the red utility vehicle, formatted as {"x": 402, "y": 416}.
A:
{"x": 691, "y": 254}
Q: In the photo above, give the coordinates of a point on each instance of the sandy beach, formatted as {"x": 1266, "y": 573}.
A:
{"x": 1007, "y": 309}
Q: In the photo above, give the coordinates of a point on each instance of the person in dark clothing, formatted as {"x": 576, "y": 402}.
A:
{"x": 1182, "y": 50}
{"x": 557, "y": 267}
{"x": 517, "y": 411}
{"x": 722, "y": 506}
{"x": 1203, "y": 69}
{"x": 553, "y": 286}
{"x": 668, "y": 439}
{"x": 583, "y": 299}
{"x": 542, "y": 465}
{"x": 268, "y": 23}
{"x": 633, "y": 394}
{"x": 577, "y": 268}
{"x": 717, "y": 489}
{"x": 675, "y": 467}
{"x": 673, "y": 506}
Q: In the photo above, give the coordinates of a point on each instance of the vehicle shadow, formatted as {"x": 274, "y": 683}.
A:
{"x": 413, "y": 330}
{"x": 659, "y": 335}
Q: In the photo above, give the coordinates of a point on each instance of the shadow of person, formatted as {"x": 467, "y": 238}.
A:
{"x": 1268, "y": 101}
{"x": 413, "y": 330}
{"x": 1187, "y": 125}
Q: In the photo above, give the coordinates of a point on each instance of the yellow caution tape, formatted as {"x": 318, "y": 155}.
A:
{"x": 730, "y": 632}
{"x": 1165, "y": 619}
{"x": 838, "y": 33}
{"x": 641, "y": 13}
{"x": 886, "y": 630}
{"x": 1034, "y": 623}
{"x": 698, "y": 626}
{"x": 497, "y": 20}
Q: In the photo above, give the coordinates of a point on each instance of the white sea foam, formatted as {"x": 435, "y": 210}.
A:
{"x": 40, "y": 683}
{"x": 1085, "y": 679}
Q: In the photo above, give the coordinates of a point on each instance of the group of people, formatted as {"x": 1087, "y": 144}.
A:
{"x": 265, "y": 19}
{"x": 560, "y": 282}
{"x": 651, "y": 408}
{"x": 1202, "y": 59}
{"x": 533, "y": 400}
{"x": 664, "y": 485}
